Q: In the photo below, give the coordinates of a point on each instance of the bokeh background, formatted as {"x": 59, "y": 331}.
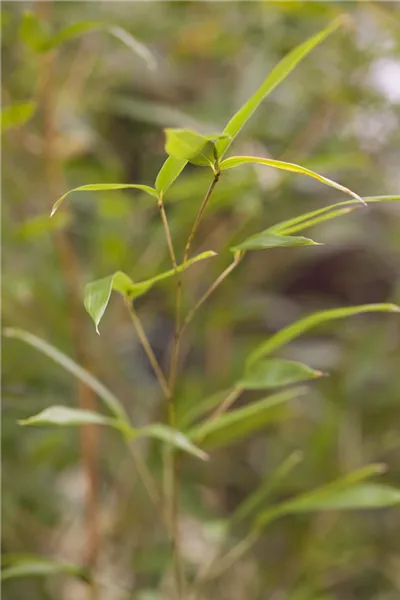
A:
{"x": 99, "y": 118}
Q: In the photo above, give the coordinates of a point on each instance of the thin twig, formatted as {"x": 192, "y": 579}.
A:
{"x": 167, "y": 230}
{"x": 226, "y": 404}
{"x": 200, "y": 215}
{"x": 208, "y": 293}
{"x": 147, "y": 348}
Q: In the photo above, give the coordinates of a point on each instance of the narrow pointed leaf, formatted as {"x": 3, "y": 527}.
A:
{"x": 16, "y": 115}
{"x": 64, "y": 415}
{"x": 16, "y": 567}
{"x": 109, "y": 399}
{"x": 366, "y": 495}
{"x": 105, "y": 187}
{"x": 278, "y": 74}
{"x": 244, "y": 421}
{"x": 174, "y": 438}
{"x": 42, "y": 43}
{"x": 97, "y": 293}
{"x": 236, "y": 161}
{"x": 288, "y": 226}
{"x": 170, "y": 171}
{"x": 325, "y": 496}
{"x": 266, "y": 240}
{"x": 271, "y": 373}
{"x": 270, "y": 483}
{"x": 297, "y": 328}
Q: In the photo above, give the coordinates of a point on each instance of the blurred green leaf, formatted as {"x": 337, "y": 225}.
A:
{"x": 16, "y": 115}
{"x": 33, "y": 31}
{"x": 170, "y": 170}
{"x": 278, "y": 74}
{"x": 272, "y": 373}
{"x": 270, "y": 483}
{"x": 64, "y": 415}
{"x": 235, "y": 161}
{"x": 17, "y": 566}
{"x": 341, "y": 494}
{"x": 297, "y": 328}
{"x": 42, "y": 224}
{"x": 105, "y": 187}
{"x": 265, "y": 240}
{"x": 97, "y": 293}
{"x": 173, "y": 437}
{"x": 235, "y": 424}
{"x": 110, "y": 400}
{"x": 288, "y": 226}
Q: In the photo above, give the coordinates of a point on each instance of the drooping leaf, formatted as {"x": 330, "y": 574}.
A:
{"x": 97, "y": 293}
{"x": 240, "y": 422}
{"x": 64, "y": 415}
{"x": 271, "y": 373}
{"x": 110, "y": 400}
{"x": 287, "y": 226}
{"x": 18, "y": 566}
{"x": 16, "y": 115}
{"x": 265, "y": 240}
{"x": 278, "y": 74}
{"x": 105, "y": 187}
{"x": 297, "y": 328}
{"x": 170, "y": 170}
{"x": 269, "y": 484}
{"x": 235, "y": 161}
{"x": 174, "y": 438}
{"x": 343, "y": 493}
{"x": 185, "y": 144}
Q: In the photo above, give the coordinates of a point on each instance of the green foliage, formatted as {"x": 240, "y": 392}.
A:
{"x": 272, "y": 373}
{"x": 98, "y": 120}
{"x": 16, "y": 115}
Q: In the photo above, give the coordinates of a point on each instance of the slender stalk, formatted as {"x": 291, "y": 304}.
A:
{"x": 147, "y": 348}
{"x": 208, "y": 293}
{"x": 69, "y": 262}
{"x": 200, "y": 215}
{"x": 167, "y": 230}
{"x": 226, "y": 404}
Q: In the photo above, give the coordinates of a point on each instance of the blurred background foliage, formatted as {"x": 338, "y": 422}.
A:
{"x": 337, "y": 113}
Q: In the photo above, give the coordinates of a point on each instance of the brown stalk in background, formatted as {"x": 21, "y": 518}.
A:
{"x": 54, "y": 181}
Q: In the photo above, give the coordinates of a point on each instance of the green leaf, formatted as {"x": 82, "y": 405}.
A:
{"x": 198, "y": 149}
{"x": 109, "y": 399}
{"x": 297, "y": 328}
{"x": 105, "y": 187}
{"x": 236, "y": 161}
{"x": 332, "y": 496}
{"x": 170, "y": 170}
{"x": 18, "y": 566}
{"x": 97, "y": 293}
{"x": 270, "y": 483}
{"x": 278, "y": 74}
{"x": 290, "y": 225}
{"x": 243, "y": 421}
{"x": 333, "y": 214}
{"x": 272, "y": 373}
{"x": 33, "y": 31}
{"x": 367, "y": 495}
{"x": 64, "y": 415}
{"x": 265, "y": 239}
{"x": 174, "y": 438}
{"x": 16, "y": 115}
